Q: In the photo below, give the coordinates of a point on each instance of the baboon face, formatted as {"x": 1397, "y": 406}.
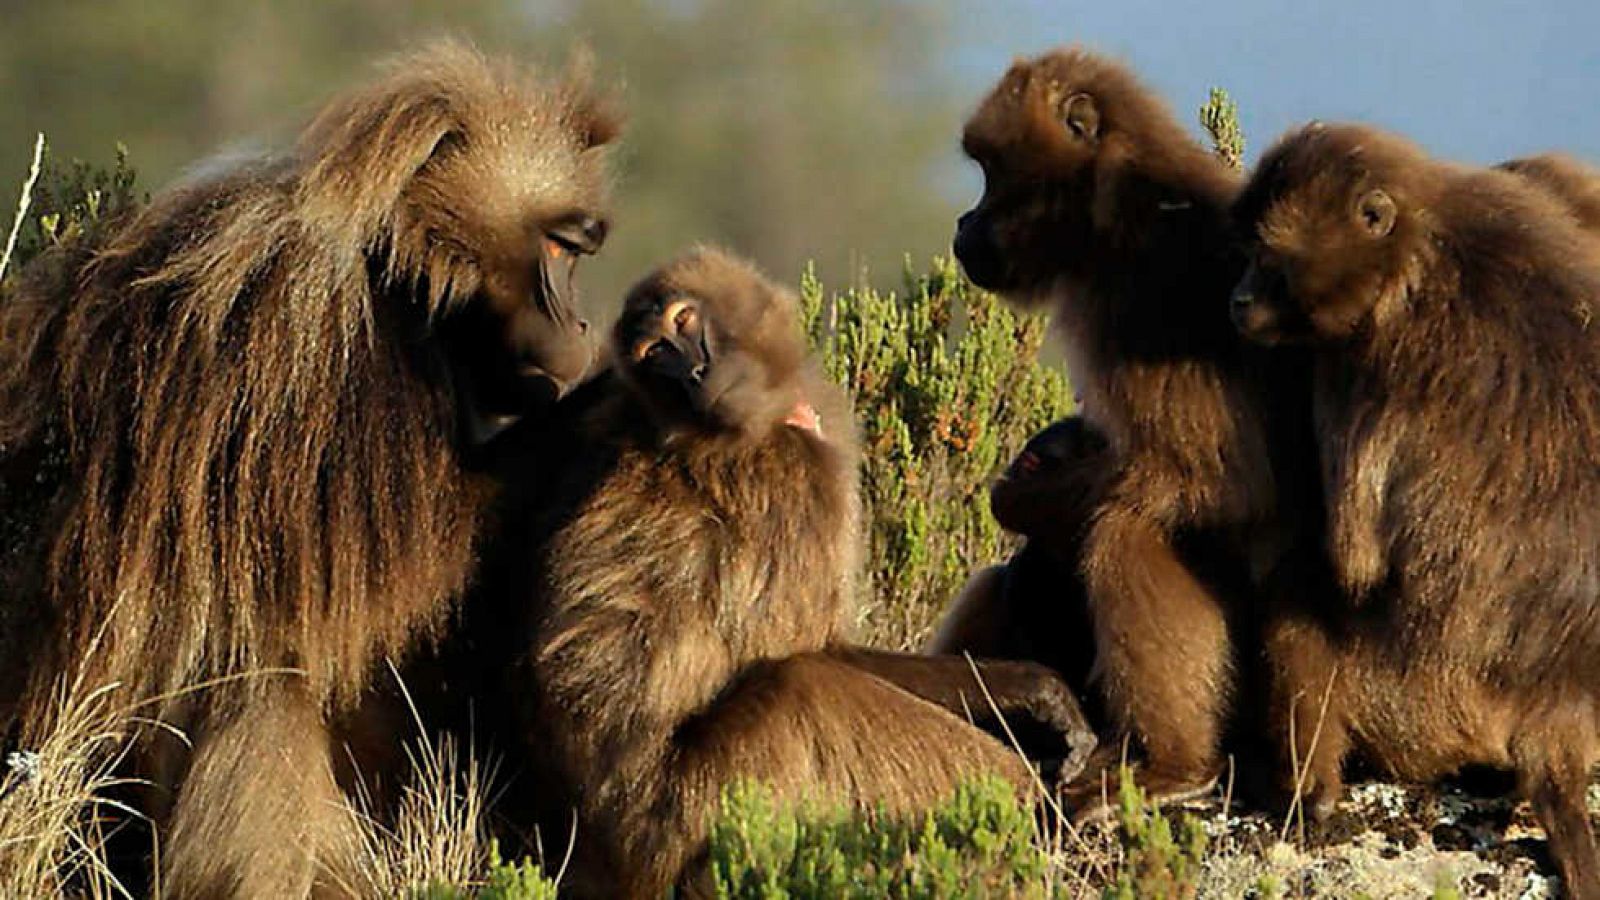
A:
{"x": 708, "y": 342}
{"x": 521, "y": 215}
{"x": 522, "y": 339}
{"x": 1036, "y": 138}
{"x": 1048, "y": 451}
{"x": 1329, "y": 224}
{"x": 667, "y": 343}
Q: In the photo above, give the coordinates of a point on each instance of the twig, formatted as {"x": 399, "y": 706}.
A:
{"x": 1051, "y": 803}
{"x": 1297, "y": 804}
{"x": 23, "y": 203}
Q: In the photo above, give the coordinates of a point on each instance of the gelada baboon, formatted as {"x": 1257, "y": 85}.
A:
{"x": 251, "y": 396}
{"x": 1458, "y": 395}
{"x": 1098, "y": 205}
{"x": 694, "y": 598}
{"x": 1033, "y": 606}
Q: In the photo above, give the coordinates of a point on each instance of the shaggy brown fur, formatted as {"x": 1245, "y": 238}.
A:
{"x": 1033, "y": 605}
{"x": 1458, "y": 392}
{"x": 1098, "y": 204}
{"x": 249, "y": 395}
{"x": 695, "y": 599}
{"x": 1575, "y": 183}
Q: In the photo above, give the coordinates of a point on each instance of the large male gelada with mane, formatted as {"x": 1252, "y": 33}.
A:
{"x": 233, "y": 433}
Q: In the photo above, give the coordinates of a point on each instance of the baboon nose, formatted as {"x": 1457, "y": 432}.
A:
{"x": 963, "y": 219}
{"x": 583, "y": 326}
{"x": 1242, "y": 299}
{"x": 594, "y": 230}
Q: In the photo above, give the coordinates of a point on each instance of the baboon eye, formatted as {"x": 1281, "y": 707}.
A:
{"x": 648, "y": 349}
{"x": 1377, "y": 212}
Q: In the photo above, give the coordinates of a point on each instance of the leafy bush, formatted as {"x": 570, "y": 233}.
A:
{"x": 947, "y": 387}
{"x": 71, "y": 201}
{"x": 980, "y": 843}
{"x": 1158, "y": 861}
{"x": 523, "y": 880}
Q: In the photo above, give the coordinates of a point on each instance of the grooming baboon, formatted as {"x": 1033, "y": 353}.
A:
{"x": 1098, "y": 204}
{"x": 694, "y": 594}
{"x": 1032, "y": 606}
{"x": 254, "y": 398}
{"x": 1457, "y": 393}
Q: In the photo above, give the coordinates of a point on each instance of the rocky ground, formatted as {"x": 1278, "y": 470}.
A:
{"x": 1386, "y": 842}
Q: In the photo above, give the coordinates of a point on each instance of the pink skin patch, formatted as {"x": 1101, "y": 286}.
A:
{"x": 804, "y": 417}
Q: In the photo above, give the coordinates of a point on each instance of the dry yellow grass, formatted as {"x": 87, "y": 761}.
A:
{"x": 52, "y": 831}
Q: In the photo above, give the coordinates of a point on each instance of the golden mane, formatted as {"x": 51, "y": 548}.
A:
{"x": 253, "y": 427}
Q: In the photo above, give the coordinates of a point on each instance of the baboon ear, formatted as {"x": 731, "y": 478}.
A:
{"x": 597, "y": 120}
{"x": 1376, "y": 212}
{"x": 1081, "y": 116}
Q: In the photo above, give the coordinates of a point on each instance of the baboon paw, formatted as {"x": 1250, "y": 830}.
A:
{"x": 1093, "y": 797}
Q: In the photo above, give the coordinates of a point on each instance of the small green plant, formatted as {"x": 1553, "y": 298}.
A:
{"x": 1159, "y": 862}
{"x": 62, "y": 204}
{"x": 947, "y": 385}
{"x": 523, "y": 880}
{"x": 1219, "y": 116}
{"x": 980, "y": 843}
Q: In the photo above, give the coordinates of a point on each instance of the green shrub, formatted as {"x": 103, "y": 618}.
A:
{"x": 71, "y": 201}
{"x": 980, "y": 843}
{"x": 523, "y": 880}
{"x": 1158, "y": 862}
{"x": 947, "y": 387}
{"x": 1219, "y": 116}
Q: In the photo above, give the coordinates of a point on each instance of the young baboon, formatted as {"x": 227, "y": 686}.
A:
{"x": 1098, "y": 204}
{"x": 1025, "y": 608}
{"x": 1458, "y": 396}
{"x": 248, "y": 410}
{"x": 693, "y": 598}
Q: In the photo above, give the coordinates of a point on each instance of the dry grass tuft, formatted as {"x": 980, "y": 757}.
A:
{"x": 54, "y": 799}
{"x": 439, "y": 834}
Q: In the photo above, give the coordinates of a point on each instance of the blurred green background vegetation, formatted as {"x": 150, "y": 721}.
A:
{"x": 789, "y": 131}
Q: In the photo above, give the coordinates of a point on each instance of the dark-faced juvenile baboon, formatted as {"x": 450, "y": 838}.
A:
{"x": 690, "y": 623}
{"x": 1457, "y": 395}
{"x": 255, "y": 396}
{"x": 1033, "y": 606}
{"x": 1097, "y": 204}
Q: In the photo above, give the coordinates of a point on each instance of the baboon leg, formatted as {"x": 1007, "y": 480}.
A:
{"x": 812, "y": 726}
{"x": 1163, "y": 661}
{"x": 978, "y": 622}
{"x": 259, "y": 813}
{"x": 1557, "y": 790}
{"x": 984, "y": 691}
{"x": 1306, "y": 715}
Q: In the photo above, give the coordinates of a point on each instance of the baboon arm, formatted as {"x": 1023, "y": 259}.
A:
{"x": 978, "y": 621}
{"x": 984, "y": 691}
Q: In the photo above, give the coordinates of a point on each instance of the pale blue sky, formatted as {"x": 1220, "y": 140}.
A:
{"x": 1473, "y": 81}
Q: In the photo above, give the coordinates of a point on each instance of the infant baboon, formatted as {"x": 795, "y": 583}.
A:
{"x": 1458, "y": 396}
{"x": 1098, "y": 204}
{"x": 694, "y": 595}
{"x": 1033, "y": 606}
